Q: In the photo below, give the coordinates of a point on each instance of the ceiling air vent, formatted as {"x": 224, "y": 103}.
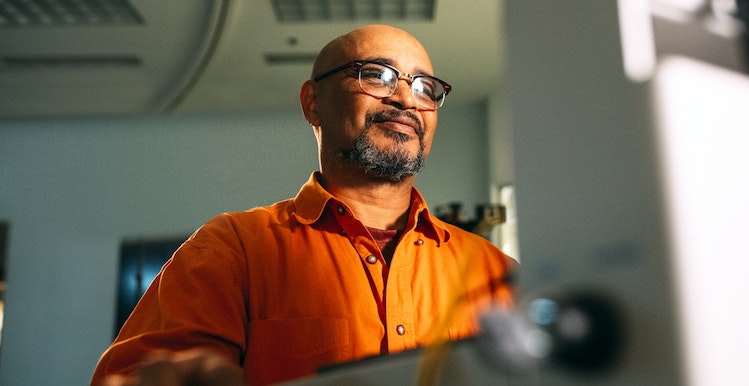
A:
{"x": 301, "y": 11}
{"x": 58, "y": 13}
{"x": 49, "y": 62}
{"x": 300, "y": 58}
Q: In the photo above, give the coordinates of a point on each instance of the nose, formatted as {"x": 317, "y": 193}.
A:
{"x": 402, "y": 97}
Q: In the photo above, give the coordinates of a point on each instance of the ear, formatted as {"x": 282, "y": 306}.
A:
{"x": 308, "y": 100}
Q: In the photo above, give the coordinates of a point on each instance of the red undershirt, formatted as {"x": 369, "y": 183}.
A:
{"x": 387, "y": 240}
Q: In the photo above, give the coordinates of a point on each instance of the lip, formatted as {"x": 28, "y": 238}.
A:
{"x": 403, "y": 124}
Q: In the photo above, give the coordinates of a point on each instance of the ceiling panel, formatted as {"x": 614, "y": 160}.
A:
{"x": 84, "y": 68}
{"x": 216, "y": 56}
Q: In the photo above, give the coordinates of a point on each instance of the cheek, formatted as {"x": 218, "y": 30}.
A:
{"x": 340, "y": 127}
{"x": 428, "y": 143}
{"x": 430, "y": 123}
{"x": 347, "y": 110}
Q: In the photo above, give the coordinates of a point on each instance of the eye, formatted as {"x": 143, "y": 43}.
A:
{"x": 376, "y": 75}
{"x": 369, "y": 72}
{"x": 426, "y": 88}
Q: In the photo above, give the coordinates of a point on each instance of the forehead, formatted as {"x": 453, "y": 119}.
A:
{"x": 383, "y": 43}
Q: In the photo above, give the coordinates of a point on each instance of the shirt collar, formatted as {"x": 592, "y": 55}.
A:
{"x": 312, "y": 200}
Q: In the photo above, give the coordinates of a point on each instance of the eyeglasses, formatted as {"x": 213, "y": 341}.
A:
{"x": 380, "y": 81}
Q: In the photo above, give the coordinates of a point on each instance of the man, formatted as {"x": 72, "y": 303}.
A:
{"x": 353, "y": 266}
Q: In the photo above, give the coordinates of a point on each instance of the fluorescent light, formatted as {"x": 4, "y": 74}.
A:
{"x": 637, "y": 39}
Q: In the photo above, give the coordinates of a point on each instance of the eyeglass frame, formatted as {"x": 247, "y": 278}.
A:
{"x": 358, "y": 64}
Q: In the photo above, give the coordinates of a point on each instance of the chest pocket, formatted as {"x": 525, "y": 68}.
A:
{"x": 281, "y": 349}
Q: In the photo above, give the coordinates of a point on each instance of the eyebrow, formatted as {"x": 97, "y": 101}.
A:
{"x": 390, "y": 62}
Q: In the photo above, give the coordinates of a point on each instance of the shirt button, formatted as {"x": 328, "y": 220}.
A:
{"x": 371, "y": 259}
{"x": 419, "y": 242}
{"x": 341, "y": 210}
{"x": 343, "y": 232}
{"x": 400, "y": 329}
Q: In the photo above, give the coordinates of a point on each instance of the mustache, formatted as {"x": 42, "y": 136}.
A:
{"x": 394, "y": 115}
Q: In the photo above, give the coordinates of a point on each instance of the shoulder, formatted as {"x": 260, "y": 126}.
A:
{"x": 237, "y": 227}
{"x": 478, "y": 246}
{"x": 260, "y": 215}
{"x": 461, "y": 236}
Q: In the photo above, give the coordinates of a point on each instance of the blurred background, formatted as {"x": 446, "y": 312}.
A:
{"x": 126, "y": 124}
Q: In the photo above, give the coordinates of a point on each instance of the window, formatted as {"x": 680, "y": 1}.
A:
{"x": 140, "y": 262}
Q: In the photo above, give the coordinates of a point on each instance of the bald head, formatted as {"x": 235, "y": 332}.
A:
{"x": 366, "y": 43}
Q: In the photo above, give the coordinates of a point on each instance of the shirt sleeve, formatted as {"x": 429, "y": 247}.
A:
{"x": 198, "y": 299}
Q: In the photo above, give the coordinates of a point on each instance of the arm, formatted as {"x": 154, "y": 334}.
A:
{"x": 198, "y": 300}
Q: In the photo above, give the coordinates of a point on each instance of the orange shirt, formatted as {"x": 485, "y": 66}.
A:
{"x": 285, "y": 289}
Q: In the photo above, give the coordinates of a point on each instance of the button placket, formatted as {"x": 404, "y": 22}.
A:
{"x": 399, "y": 301}
{"x": 366, "y": 249}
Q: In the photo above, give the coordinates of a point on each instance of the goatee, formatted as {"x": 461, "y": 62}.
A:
{"x": 392, "y": 164}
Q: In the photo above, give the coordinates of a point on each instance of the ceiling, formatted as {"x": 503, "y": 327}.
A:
{"x": 208, "y": 56}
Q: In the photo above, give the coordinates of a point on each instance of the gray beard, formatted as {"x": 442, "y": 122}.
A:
{"x": 393, "y": 165}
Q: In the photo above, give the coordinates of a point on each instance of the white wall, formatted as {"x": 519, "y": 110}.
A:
{"x": 74, "y": 189}
{"x": 587, "y": 189}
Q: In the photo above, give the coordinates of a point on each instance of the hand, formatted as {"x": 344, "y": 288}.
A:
{"x": 198, "y": 367}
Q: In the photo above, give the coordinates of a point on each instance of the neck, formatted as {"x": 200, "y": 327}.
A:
{"x": 376, "y": 203}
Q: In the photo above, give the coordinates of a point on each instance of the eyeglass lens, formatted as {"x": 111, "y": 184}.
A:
{"x": 381, "y": 81}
